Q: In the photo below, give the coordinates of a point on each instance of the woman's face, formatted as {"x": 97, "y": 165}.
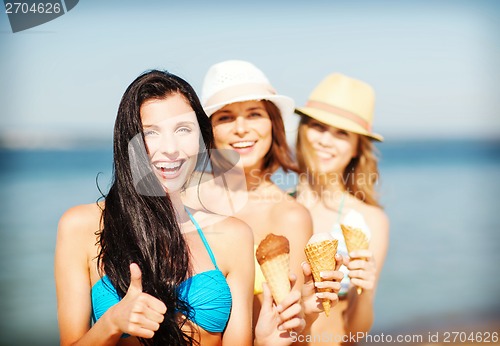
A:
{"x": 333, "y": 148}
{"x": 246, "y": 128}
{"x": 172, "y": 134}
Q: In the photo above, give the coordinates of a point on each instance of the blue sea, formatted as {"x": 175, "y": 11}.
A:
{"x": 441, "y": 197}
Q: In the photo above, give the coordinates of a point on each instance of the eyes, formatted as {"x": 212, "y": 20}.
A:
{"x": 180, "y": 130}
{"x": 320, "y": 127}
{"x": 226, "y": 117}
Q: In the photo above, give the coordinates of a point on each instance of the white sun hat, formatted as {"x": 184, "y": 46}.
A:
{"x": 238, "y": 81}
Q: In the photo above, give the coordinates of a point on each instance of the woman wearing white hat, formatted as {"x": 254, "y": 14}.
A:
{"x": 246, "y": 115}
{"x": 338, "y": 173}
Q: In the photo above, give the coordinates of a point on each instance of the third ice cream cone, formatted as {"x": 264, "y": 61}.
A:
{"x": 355, "y": 239}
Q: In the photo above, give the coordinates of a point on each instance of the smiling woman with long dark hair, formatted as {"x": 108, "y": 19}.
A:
{"x": 140, "y": 265}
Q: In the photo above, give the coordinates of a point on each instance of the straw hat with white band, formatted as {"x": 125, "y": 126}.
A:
{"x": 343, "y": 102}
{"x": 238, "y": 81}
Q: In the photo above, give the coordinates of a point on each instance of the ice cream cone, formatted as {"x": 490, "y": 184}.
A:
{"x": 320, "y": 252}
{"x": 273, "y": 255}
{"x": 355, "y": 239}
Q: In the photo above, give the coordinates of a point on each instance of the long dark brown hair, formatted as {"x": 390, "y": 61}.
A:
{"x": 139, "y": 222}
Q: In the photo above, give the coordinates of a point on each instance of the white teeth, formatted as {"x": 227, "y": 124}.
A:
{"x": 240, "y": 145}
{"x": 323, "y": 154}
{"x": 168, "y": 165}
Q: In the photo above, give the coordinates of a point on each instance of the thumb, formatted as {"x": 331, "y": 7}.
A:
{"x": 306, "y": 270}
{"x": 135, "y": 278}
{"x": 267, "y": 301}
{"x": 339, "y": 260}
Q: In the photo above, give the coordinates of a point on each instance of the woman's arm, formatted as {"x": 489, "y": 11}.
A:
{"x": 74, "y": 236}
{"x": 137, "y": 314}
{"x": 365, "y": 267}
{"x": 238, "y": 258}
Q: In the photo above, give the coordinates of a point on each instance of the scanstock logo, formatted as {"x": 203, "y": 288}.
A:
{"x": 28, "y": 14}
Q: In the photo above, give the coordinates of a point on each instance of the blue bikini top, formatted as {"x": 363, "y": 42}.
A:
{"x": 207, "y": 293}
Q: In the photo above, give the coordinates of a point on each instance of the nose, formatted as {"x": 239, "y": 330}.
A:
{"x": 169, "y": 146}
{"x": 326, "y": 139}
{"x": 240, "y": 126}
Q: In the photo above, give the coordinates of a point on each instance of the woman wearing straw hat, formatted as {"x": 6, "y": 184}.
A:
{"x": 246, "y": 115}
{"x": 338, "y": 173}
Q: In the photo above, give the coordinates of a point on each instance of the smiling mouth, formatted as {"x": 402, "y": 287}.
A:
{"x": 243, "y": 145}
{"x": 167, "y": 169}
{"x": 323, "y": 154}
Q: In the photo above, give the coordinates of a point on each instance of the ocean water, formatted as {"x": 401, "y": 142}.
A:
{"x": 441, "y": 197}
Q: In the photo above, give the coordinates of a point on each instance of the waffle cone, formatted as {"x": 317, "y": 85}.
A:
{"x": 321, "y": 257}
{"x": 355, "y": 238}
{"x": 276, "y": 271}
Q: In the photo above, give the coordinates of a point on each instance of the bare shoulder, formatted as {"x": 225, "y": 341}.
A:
{"x": 292, "y": 220}
{"x": 77, "y": 238}
{"x": 234, "y": 230}
{"x": 221, "y": 226}
{"x": 81, "y": 220}
{"x": 289, "y": 211}
{"x": 231, "y": 239}
{"x": 376, "y": 218}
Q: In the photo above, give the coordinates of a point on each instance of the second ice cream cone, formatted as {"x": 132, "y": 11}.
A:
{"x": 320, "y": 252}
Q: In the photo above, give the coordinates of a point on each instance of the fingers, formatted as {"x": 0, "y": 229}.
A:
{"x": 145, "y": 312}
{"x": 338, "y": 261}
{"x": 291, "y": 310}
{"x": 296, "y": 324}
{"x": 331, "y": 275}
{"x": 292, "y": 298}
{"x": 149, "y": 307}
{"x": 156, "y": 304}
{"x": 136, "y": 287}
{"x": 153, "y": 315}
{"x": 329, "y": 295}
{"x": 330, "y": 286}
{"x": 367, "y": 254}
{"x": 358, "y": 264}
{"x": 293, "y": 280}
{"x": 142, "y": 333}
{"x": 135, "y": 278}
{"x": 364, "y": 284}
{"x": 306, "y": 270}
{"x": 290, "y": 313}
{"x": 140, "y": 323}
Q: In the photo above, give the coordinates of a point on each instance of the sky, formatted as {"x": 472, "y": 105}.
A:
{"x": 434, "y": 65}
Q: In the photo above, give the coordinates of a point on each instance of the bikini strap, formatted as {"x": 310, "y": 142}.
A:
{"x": 203, "y": 239}
{"x": 341, "y": 206}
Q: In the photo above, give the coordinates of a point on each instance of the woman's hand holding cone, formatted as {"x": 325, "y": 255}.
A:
{"x": 362, "y": 269}
{"x": 312, "y": 299}
{"x": 276, "y": 325}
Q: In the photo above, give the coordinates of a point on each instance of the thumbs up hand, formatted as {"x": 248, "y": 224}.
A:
{"x": 138, "y": 313}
